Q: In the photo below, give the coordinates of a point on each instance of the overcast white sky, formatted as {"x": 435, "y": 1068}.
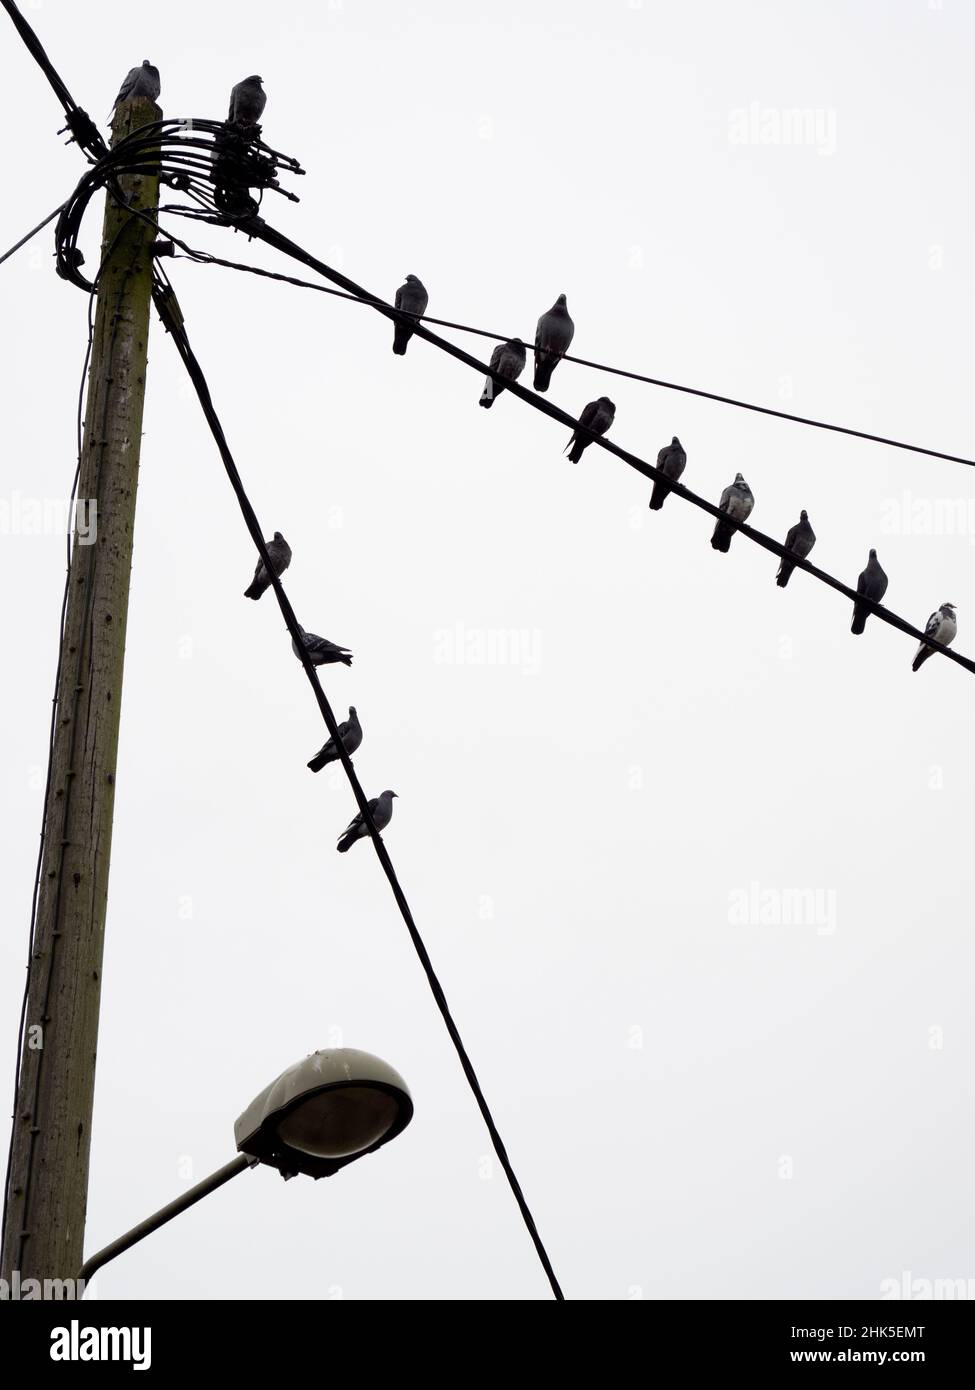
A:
{"x": 696, "y": 1106}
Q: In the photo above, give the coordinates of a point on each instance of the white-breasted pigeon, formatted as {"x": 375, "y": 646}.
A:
{"x": 800, "y": 539}
{"x": 871, "y": 584}
{"x": 941, "y": 626}
{"x": 553, "y": 336}
{"x": 412, "y": 298}
{"x": 280, "y": 553}
{"x": 350, "y": 734}
{"x": 140, "y": 82}
{"x": 247, "y": 102}
{"x": 672, "y": 461}
{"x": 508, "y": 360}
{"x": 321, "y": 652}
{"x": 597, "y": 416}
{"x": 737, "y": 501}
{"x": 381, "y": 810}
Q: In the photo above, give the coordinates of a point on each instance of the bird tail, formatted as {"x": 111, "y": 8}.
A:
{"x": 544, "y": 367}
{"x": 721, "y": 540}
{"x": 255, "y": 590}
{"x": 401, "y": 337}
{"x": 922, "y": 656}
{"x": 323, "y": 756}
{"x": 492, "y": 388}
{"x": 346, "y": 842}
{"x": 660, "y": 490}
{"x": 578, "y": 445}
{"x": 346, "y": 658}
{"x": 785, "y": 573}
{"x": 860, "y": 615}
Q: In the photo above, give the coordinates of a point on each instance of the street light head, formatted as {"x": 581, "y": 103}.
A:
{"x": 324, "y": 1112}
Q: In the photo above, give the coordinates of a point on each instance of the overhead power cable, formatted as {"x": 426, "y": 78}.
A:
{"x": 26, "y": 238}
{"x": 82, "y": 127}
{"x": 259, "y": 229}
{"x": 172, "y": 318}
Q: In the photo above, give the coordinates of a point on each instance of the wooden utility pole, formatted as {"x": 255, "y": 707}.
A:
{"x": 47, "y": 1182}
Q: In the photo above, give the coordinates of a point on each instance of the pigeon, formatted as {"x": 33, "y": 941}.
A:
{"x": 321, "y": 652}
{"x": 247, "y": 102}
{"x": 800, "y": 539}
{"x": 280, "y": 553}
{"x": 381, "y": 810}
{"x": 508, "y": 360}
{"x": 413, "y": 299}
{"x": 872, "y": 584}
{"x": 671, "y": 460}
{"x": 552, "y": 338}
{"x": 737, "y": 501}
{"x": 942, "y": 626}
{"x": 597, "y": 416}
{"x": 350, "y": 733}
{"x": 140, "y": 82}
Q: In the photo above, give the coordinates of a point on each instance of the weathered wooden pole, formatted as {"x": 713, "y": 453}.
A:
{"x": 47, "y": 1181}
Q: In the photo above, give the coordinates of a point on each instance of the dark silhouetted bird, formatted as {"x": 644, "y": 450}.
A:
{"x": 247, "y": 102}
{"x": 280, "y": 553}
{"x": 321, "y": 652}
{"x": 800, "y": 540}
{"x": 941, "y": 626}
{"x": 412, "y": 298}
{"x": 552, "y": 338}
{"x": 871, "y": 584}
{"x": 140, "y": 82}
{"x": 508, "y": 360}
{"x": 737, "y": 501}
{"x": 381, "y": 810}
{"x": 350, "y": 733}
{"x": 671, "y": 460}
{"x": 597, "y": 416}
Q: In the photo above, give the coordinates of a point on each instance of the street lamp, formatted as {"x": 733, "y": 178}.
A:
{"x": 319, "y": 1115}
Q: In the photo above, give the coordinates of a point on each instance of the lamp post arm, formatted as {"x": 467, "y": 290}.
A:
{"x": 159, "y": 1218}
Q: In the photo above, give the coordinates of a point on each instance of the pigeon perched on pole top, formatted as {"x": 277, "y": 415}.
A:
{"x": 280, "y": 553}
{"x": 941, "y": 626}
{"x": 321, "y": 652}
{"x": 597, "y": 416}
{"x": 800, "y": 539}
{"x": 350, "y": 733}
{"x": 140, "y": 82}
{"x": 412, "y": 298}
{"x": 737, "y": 501}
{"x": 871, "y": 584}
{"x": 381, "y": 810}
{"x": 553, "y": 336}
{"x": 671, "y": 460}
{"x": 508, "y": 360}
{"x": 247, "y": 102}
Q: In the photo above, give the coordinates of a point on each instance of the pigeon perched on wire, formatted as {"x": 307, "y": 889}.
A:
{"x": 140, "y": 82}
{"x": 280, "y": 553}
{"x": 737, "y": 501}
{"x": 672, "y": 461}
{"x": 553, "y": 336}
{"x": 247, "y": 102}
{"x": 597, "y": 416}
{"x": 321, "y": 652}
{"x": 942, "y": 627}
{"x": 871, "y": 584}
{"x": 381, "y": 810}
{"x": 800, "y": 539}
{"x": 412, "y": 298}
{"x": 508, "y": 360}
{"x": 350, "y": 734}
